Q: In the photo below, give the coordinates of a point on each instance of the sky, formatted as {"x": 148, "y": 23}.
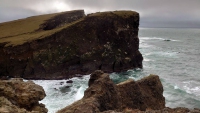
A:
{"x": 153, "y": 13}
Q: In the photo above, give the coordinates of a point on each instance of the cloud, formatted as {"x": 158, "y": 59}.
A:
{"x": 159, "y": 12}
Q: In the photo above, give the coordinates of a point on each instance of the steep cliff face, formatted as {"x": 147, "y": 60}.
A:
{"x": 17, "y": 96}
{"x": 103, "y": 95}
{"x": 69, "y": 43}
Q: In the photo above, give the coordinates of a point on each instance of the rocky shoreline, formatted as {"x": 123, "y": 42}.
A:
{"x": 142, "y": 96}
{"x": 61, "y": 45}
{"x": 102, "y": 96}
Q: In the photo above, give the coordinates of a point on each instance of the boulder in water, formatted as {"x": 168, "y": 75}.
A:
{"x": 69, "y": 81}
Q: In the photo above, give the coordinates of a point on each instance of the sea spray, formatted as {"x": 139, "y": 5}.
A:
{"x": 60, "y": 94}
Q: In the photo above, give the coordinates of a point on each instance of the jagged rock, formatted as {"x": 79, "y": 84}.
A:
{"x": 142, "y": 94}
{"x": 103, "y": 95}
{"x": 60, "y": 45}
{"x": 16, "y": 95}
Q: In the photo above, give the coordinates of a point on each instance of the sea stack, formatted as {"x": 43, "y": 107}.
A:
{"x": 58, "y": 46}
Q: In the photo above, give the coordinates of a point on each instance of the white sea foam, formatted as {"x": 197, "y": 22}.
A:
{"x": 142, "y": 39}
{"x": 146, "y": 60}
{"x": 151, "y": 38}
{"x": 80, "y": 93}
{"x": 191, "y": 88}
{"x": 60, "y": 94}
{"x": 176, "y": 87}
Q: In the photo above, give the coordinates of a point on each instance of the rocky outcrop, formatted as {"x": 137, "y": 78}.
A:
{"x": 165, "y": 110}
{"x": 58, "y": 46}
{"x": 17, "y": 96}
{"x": 103, "y": 95}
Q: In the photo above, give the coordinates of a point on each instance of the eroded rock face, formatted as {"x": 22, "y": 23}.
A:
{"x": 16, "y": 95}
{"x": 103, "y": 95}
{"x": 142, "y": 94}
{"x": 78, "y": 45}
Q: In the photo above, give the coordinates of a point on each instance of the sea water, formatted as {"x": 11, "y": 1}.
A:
{"x": 171, "y": 53}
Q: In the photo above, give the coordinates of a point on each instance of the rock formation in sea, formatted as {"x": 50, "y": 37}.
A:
{"x": 142, "y": 96}
{"x": 57, "y": 46}
{"x": 103, "y": 95}
{"x": 17, "y": 96}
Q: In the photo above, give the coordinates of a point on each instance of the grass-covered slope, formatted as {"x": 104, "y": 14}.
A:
{"x": 25, "y": 30}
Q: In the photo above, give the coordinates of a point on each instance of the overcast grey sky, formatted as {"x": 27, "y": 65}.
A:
{"x": 153, "y": 13}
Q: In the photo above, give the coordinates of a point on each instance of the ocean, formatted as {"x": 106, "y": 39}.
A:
{"x": 171, "y": 53}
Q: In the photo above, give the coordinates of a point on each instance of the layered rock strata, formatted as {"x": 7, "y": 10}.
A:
{"x": 17, "y": 96}
{"x": 103, "y": 95}
{"x": 58, "y": 46}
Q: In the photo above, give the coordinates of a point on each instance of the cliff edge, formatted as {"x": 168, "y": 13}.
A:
{"x": 60, "y": 45}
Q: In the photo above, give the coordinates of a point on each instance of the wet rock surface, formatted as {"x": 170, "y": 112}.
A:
{"x": 17, "y": 96}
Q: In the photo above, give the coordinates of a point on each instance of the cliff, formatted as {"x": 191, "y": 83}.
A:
{"x": 57, "y": 46}
{"x": 17, "y": 96}
{"x": 142, "y": 96}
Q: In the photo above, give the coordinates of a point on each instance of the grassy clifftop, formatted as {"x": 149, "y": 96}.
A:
{"x": 25, "y": 30}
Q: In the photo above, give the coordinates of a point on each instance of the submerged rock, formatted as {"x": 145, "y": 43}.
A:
{"x": 17, "y": 96}
{"x": 69, "y": 81}
{"x": 103, "y": 95}
{"x": 58, "y": 46}
{"x": 167, "y": 40}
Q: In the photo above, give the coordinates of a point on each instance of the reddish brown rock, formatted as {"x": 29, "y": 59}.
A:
{"x": 103, "y": 95}
{"x": 16, "y": 95}
{"x": 165, "y": 110}
{"x": 142, "y": 94}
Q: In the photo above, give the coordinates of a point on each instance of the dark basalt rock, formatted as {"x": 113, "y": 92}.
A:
{"x": 70, "y": 43}
{"x": 69, "y": 81}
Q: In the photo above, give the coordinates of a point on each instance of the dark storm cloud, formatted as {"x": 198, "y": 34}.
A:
{"x": 155, "y": 13}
